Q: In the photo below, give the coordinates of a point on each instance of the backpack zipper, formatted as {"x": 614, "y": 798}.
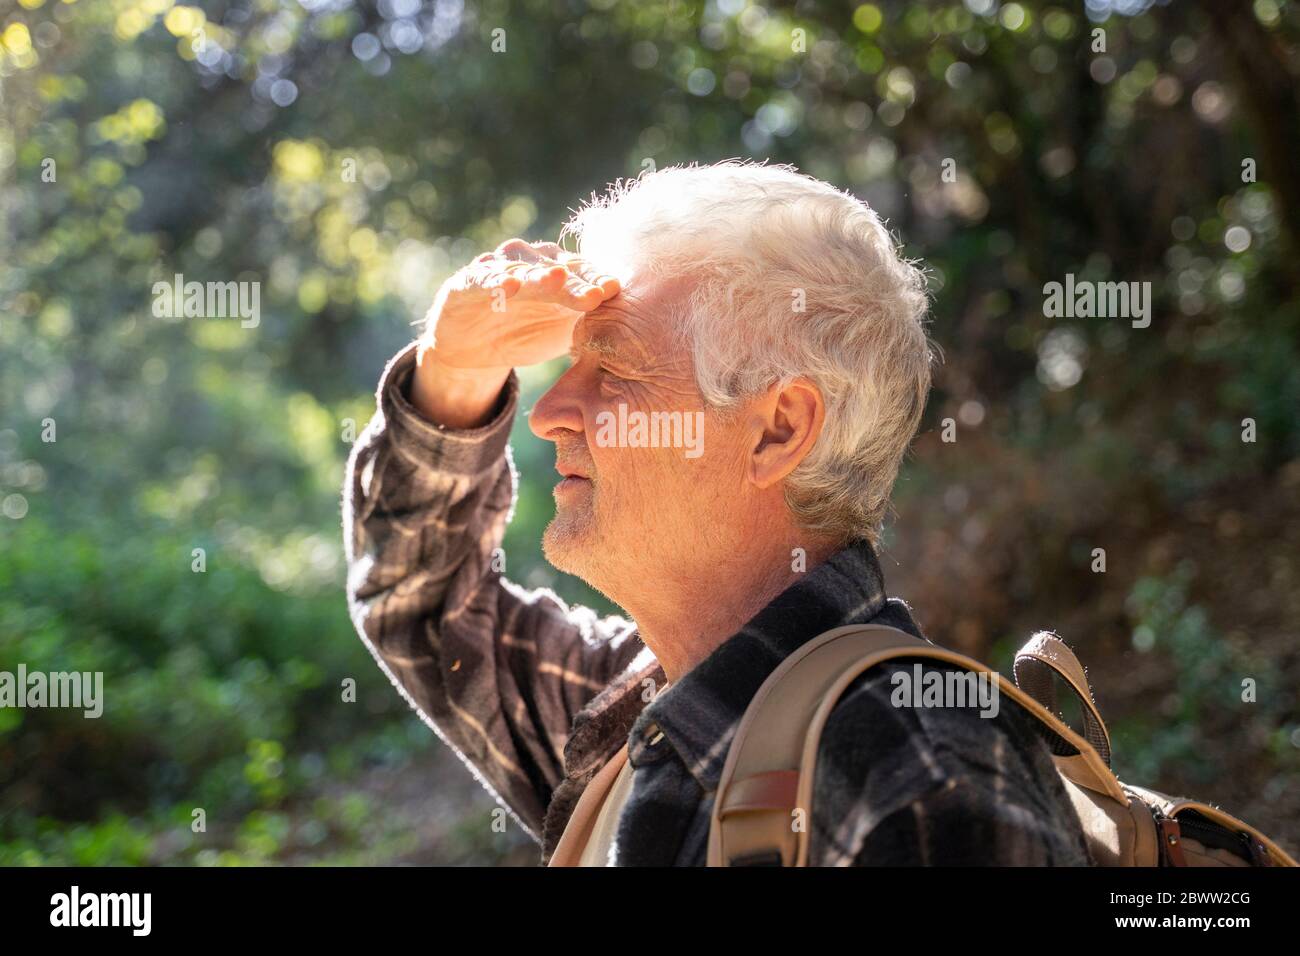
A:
{"x": 1208, "y": 833}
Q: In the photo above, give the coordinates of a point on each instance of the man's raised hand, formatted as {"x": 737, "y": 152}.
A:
{"x": 514, "y": 306}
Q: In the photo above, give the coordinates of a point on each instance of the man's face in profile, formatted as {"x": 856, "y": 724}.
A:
{"x": 627, "y": 504}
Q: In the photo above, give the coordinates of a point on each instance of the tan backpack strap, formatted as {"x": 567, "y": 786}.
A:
{"x": 577, "y": 832}
{"x": 753, "y": 820}
{"x": 753, "y": 809}
{"x": 1046, "y": 655}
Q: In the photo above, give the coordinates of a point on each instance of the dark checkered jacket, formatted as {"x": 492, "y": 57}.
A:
{"x": 535, "y": 696}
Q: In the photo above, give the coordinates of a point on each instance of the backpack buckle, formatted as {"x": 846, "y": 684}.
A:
{"x": 1171, "y": 842}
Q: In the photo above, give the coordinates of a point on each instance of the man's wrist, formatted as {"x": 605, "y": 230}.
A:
{"x": 454, "y": 397}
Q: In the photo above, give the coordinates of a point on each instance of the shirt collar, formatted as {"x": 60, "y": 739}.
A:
{"x": 697, "y": 716}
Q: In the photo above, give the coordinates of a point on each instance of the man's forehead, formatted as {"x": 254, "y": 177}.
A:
{"x": 635, "y": 318}
{"x": 623, "y": 322}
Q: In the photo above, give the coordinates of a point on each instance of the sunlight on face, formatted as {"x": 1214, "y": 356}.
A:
{"x": 652, "y": 469}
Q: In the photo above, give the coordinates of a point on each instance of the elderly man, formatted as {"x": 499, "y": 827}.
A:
{"x": 770, "y": 316}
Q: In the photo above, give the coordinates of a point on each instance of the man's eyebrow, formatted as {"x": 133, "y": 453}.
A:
{"x": 609, "y": 340}
{"x": 611, "y": 344}
{"x": 602, "y": 344}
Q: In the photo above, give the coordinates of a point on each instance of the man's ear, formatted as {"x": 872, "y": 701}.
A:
{"x": 787, "y": 422}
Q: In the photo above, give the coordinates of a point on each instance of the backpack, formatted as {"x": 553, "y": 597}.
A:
{"x": 769, "y": 770}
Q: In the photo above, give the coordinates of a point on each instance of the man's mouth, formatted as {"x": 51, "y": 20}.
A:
{"x": 571, "y": 479}
{"x": 571, "y": 482}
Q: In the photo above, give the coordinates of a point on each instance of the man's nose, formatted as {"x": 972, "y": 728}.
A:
{"x": 557, "y": 410}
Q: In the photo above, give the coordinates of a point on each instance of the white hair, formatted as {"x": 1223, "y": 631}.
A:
{"x": 762, "y": 241}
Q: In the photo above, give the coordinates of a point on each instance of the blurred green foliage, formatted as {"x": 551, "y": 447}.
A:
{"x": 350, "y": 155}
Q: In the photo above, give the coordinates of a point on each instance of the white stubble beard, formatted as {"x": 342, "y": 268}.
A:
{"x": 567, "y": 540}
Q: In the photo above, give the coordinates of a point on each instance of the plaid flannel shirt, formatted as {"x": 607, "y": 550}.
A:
{"x": 536, "y": 696}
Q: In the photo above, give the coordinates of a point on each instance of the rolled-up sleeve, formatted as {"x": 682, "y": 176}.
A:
{"x": 498, "y": 672}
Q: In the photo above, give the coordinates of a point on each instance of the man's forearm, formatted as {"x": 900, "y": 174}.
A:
{"x": 423, "y": 507}
{"x": 498, "y": 671}
{"x": 455, "y": 397}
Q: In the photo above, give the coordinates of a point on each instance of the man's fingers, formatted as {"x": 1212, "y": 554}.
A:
{"x": 526, "y": 258}
{"x": 549, "y": 249}
{"x": 609, "y": 285}
{"x": 518, "y": 249}
{"x": 542, "y": 271}
{"x": 506, "y": 281}
{"x": 529, "y": 251}
{"x": 496, "y": 273}
{"x": 547, "y": 282}
{"x": 575, "y": 263}
{"x": 491, "y": 273}
{"x": 583, "y": 295}
{"x": 548, "y": 275}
